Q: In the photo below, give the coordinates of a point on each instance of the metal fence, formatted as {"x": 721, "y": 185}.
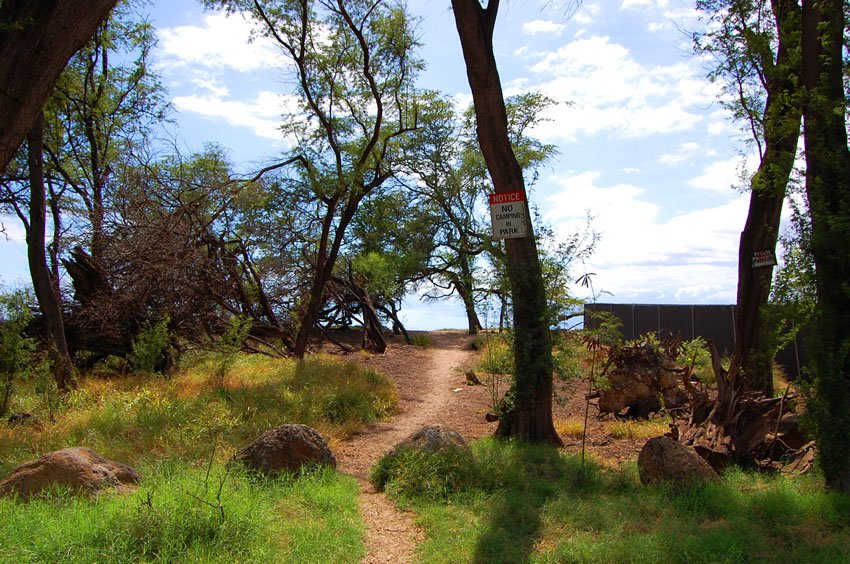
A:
{"x": 715, "y": 322}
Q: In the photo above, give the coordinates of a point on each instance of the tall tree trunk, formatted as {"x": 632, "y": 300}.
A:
{"x": 529, "y": 409}
{"x": 782, "y": 115}
{"x": 37, "y": 37}
{"x": 828, "y": 188}
{"x": 45, "y": 292}
{"x": 464, "y": 287}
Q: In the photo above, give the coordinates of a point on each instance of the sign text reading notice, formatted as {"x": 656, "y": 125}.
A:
{"x": 507, "y": 215}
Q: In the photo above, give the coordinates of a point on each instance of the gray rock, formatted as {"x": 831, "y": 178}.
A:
{"x": 433, "y": 438}
{"x": 80, "y": 469}
{"x": 288, "y": 447}
{"x": 663, "y": 460}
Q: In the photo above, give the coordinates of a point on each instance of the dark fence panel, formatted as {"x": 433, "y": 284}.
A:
{"x": 714, "y": 322}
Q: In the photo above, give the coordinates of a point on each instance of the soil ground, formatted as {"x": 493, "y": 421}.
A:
{"x": 432, "y": 389}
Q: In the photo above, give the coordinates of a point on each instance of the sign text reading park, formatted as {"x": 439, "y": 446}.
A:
{"x": 507, "y": 215}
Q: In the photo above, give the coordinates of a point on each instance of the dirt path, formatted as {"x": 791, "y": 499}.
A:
{"x": 432, "y": 389}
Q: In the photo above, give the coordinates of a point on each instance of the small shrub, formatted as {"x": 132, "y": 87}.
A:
{"x": 421, "y": 473}
{"x": 497, "y": 356}
{"x": 422, "y": 340}
{"x": 16, "y": 350}
{"x": 149, "y": 348}
{"x": 226, "y": 348}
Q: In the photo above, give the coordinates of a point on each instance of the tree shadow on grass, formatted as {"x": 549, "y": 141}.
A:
{"x": 532, "y": 475}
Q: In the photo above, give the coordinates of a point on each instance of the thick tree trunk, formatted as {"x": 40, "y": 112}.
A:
{"x": 529, "y": 409}
{"x": 828, "y": 188}
{"x": 48, "y": 299}
{"x": 781, "y": 131}
{"x": 37, "y": 37}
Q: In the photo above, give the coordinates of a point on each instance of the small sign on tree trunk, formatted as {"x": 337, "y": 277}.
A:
{"x": 764, "y": 258}
{"x": 508, "y": 215}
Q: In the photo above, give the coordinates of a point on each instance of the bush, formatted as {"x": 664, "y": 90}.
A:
{"x": 497, "y": 356}
{"x": 149, "y": 348}
{"x": 421, "y": 340}
{"x": 422, "y": 473}
{"x": 16, "y": 350}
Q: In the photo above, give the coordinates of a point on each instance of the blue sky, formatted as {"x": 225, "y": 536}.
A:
{"x": 644, "y": 146}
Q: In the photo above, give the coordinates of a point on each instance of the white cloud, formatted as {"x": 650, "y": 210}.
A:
{"x": 684, "y": 152}
{"x": 222, "y": 41}
{"x": 262, "y": 114}
{"x": 724, "y": 175}
{"x": 614, "y": 92}
{"x": 587, "y": 13}
{"x": 643, "y": 4}
{"x": 542, "y": 26}
{"x": 641, "y": 256}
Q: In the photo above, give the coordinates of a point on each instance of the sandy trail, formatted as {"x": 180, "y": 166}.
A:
{"x": 432, "y": 390}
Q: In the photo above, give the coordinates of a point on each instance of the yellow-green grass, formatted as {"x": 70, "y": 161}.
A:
{"x": 179, "y": 432}
{"x": 132, "y": 418}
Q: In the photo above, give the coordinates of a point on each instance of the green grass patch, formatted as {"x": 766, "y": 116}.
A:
{"x": 172, "y": 430}
{"x": 421, "y": 340}
{"x": 531, "y": 503}
{"x": 178, "y": 514}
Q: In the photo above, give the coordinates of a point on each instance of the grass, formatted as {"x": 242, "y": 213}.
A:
{"x": 636, "y": 429}
{"x": 534, "y": 504}
{"x": 421, "y": 340}
{"x": 172, "y": 430}
{"x": 312, "y": 519}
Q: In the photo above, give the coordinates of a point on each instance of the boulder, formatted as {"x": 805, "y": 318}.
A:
{"x": 288, "y": 447}
{"x": 80, "y": 469}
{"x": 663, "y": 460}
{"x": 433, "y": 438}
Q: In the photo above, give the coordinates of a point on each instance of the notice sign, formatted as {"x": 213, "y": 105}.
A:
{"x": 764, "y": 258}
{"x": 507, "y": 215}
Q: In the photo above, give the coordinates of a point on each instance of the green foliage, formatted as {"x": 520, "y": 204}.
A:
{"x": 531, "y": 503}
{"x": 568, "y": 355}
{"x": 497, "y": 356}
{"x": 16, "y": 349}
{"x": 694, "y": 353}
{"x": 170, "y": 519}
{"x": 226, "y": 348}
{"x": 421, "y": 340}
{"x": 149, "y": 348}
{"x": 426, "y": 474}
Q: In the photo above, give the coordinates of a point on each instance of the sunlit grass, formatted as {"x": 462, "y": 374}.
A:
{"x": 178, "y": 515}
{"x": 638, "y": 429}
{"x": 132, "y": 418}
{"x": 172, "y": 429}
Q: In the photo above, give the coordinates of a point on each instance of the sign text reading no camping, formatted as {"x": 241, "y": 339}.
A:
{"x": 508, "y": 215}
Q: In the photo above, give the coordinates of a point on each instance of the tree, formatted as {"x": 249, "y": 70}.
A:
{"x": 445, "y": 171}
{"x": 828, "y": 191}
{"x": 528, "y": 413}
{"x": 36, "y": 40}
{"x": 354, "y": 68}
{"x": 99, "y": 116}
{"x": 757, "y": 46}
{"x": 45, "y": 286}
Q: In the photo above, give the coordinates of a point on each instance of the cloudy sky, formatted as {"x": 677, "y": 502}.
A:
{"x": 644, "y": 145}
